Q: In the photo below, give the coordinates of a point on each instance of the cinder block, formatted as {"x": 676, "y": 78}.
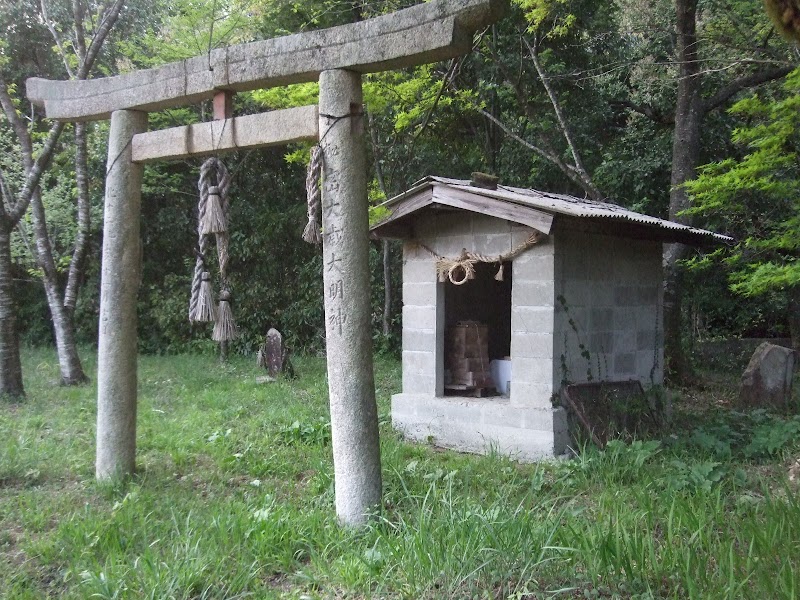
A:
{"x": 624, "y": 318}
{"x": 490, "y": 225}
{"x": 647, "y": 317}
{"x": 627, "y": 268}
{"x": 624, "y": 341}
{"x": 532, "y": 345}
{"x": 531, "y": 370}
{"x": 531, "y": 319}
{"x": 646, "y": 340}
{"x": 452, "y": 246}
{"x": 647, "y": 295}
{"x": 575, "y": 319}
{"x": 419, "y": 294}
{"x": 602, "y": 341}
{"x": 531, "y": 395}
{"x": 412, "y": 251}
{"x": 645, "y": 371}
{"x": 492, "y": 244}
{"x": 601, "y": 269}
{"x": 520, "y": 235}
{"x": 454, "y": 224}
{"x": 561, "y": 439}
{"x": 601, "y": 319}
{"x": 625, "y": 364}
{"x": 577, "y": 292}
{"x": 420, "y": 420}
{"x": 601, "y": 294}
{"x": 419, "y": 340}
{"x": 530, "y": 266}
{"x": 626, "y": 295}
{"x": 532, "y": 293}
{"x": 419, "y": 363}
{"x": 414, "y": 383}
{"x": 419, "y": 271}
{"x": 419, "y": 317}
{"x": 425, "y": 229}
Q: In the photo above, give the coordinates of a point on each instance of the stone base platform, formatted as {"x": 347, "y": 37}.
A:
{"x": 482, "y": 425}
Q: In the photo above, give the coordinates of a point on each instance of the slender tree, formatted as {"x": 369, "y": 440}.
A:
{"x": 61, "y": 304}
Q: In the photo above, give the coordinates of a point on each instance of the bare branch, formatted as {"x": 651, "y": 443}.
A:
{"x": 16, "y": 123}
{"x": 84, "y": 220}
{"x": 106, "y": 24}
{"x": 35, "y": 172}
{"x": 742, "y": 83}
{"x": 56, "y": 38}
{"x": 78, "y": 14}
{"x": 647, "y": 110}
{"x": 533, "y": 50}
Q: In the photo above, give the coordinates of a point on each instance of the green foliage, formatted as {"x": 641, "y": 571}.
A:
{"x": 757, "y": 435}
{"x": 232, "y": 499}
{"x": 755, "y": 196}
{"x": 312, "y": 433}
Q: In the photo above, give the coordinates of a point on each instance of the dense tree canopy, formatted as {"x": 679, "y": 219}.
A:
{"x": 563, "y": 95}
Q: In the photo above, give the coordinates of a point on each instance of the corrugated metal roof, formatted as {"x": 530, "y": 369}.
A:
{"x": 560, "y": 204}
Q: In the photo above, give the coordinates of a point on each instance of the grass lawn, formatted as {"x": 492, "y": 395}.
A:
{"x": 234, "y": 498}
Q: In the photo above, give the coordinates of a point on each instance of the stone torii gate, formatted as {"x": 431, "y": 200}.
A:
{"x": 437, "y": 30}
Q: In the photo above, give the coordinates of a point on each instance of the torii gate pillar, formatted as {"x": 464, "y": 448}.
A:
{"x": 345, "y": 225}
{"x": 119, "y": 284}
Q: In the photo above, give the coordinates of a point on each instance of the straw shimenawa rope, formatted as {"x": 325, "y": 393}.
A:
{"x": 460, "y": 270}
{"x": 213, "y": 215}
{"x": 312, "y": 233}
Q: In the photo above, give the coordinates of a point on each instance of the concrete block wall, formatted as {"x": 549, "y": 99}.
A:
{"x": 532, "y": 323}
{"x": 420, "y": 345}
{"x": 527, "y": 425}
{"x": 608, "y": 310}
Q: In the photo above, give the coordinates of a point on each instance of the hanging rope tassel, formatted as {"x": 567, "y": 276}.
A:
{"x": 214, "y": 218}
{"x": 499, "y": 276}
{"x": 312, "y": 233}
{"x": 205, "y": 312}
{"x": 223, "y": 241}
{"x": 225, "y": 327}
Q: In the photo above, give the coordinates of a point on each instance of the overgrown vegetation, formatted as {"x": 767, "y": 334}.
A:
{"x": 234, "y": 498}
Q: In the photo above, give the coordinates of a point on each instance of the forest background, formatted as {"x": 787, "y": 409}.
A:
{"x": 623, "y": 100}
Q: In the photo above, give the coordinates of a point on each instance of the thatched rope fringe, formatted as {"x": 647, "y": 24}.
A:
{"x": 460, "y": 270}
{"x": 225, "y": 327}
{"x": 213, "y": 174}
{"x": 312, "y": 233}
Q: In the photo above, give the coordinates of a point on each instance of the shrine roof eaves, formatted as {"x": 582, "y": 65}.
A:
{"x": 427, "y": 32}
{"x": 521, "y": 205}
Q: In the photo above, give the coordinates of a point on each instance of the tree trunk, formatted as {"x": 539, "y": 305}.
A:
{"x": 10, "y": 365}
{"x": 794, "y": 316}
{"x": 387, "y": 289}
{"x": 68, "y": 359}
{"x": 685, "y": 159}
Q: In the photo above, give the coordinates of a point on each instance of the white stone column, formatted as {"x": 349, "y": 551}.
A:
{"x": 119, "y": 284}
{"x": 345, "y": 223}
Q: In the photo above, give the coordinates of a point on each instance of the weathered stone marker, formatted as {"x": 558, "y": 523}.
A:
{"x": 119, "y": 284}
{"x": 427, "y": 32}
{"x": 767, "y": 380}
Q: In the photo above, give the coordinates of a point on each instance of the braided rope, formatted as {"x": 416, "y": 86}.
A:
{"x": 212, "y": 168}
{"x": 460, "y": 270}
{"x": 311, "y": 233}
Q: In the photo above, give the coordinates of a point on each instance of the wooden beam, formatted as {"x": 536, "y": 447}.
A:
{"x": 424, "y": 33}
{"x": 273, "y": 128}
{"x": 475, "y": 202}
{"x": 223, "y": 105}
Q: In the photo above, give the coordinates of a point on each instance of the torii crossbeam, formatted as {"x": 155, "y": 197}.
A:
{"x": 436, "y": 30}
